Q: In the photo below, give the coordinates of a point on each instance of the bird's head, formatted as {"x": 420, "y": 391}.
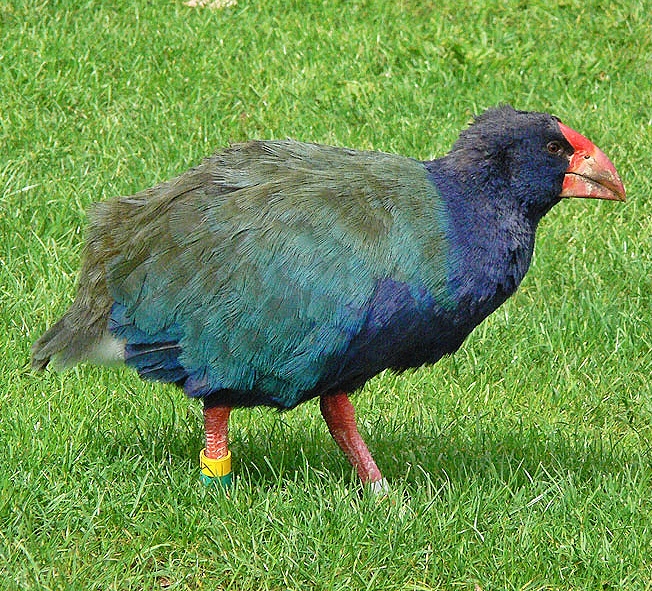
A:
{"x": 534, "y": 158}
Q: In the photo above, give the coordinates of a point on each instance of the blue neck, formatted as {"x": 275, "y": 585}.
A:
{"x": 491, "y": 239}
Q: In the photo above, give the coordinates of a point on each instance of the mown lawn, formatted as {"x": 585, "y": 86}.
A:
{"x": 524, "y": 462}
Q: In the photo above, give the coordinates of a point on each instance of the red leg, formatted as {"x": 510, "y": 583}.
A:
{"x": 216, "y": 428}
{"x": 339, "y": 414}
{"x": 215, "y": 459}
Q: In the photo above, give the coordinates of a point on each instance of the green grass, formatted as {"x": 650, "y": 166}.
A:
{"x": 524, "y": 462}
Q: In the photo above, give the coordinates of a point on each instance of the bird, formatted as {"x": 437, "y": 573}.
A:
{"x": 279, "y": 271}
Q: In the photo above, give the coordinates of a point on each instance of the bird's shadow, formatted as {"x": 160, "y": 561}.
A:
{"x": 416, "y": 455}
{"x": 411, "y": 453}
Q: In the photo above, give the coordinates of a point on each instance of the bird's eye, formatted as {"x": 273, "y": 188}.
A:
{"x": 553, "y": 147}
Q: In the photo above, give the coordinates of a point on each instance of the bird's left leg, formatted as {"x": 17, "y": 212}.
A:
{"x": 339, "y": 414}
{"x": 215, "y": 458}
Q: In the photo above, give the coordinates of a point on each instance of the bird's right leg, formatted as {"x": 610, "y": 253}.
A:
{"x": 215, "y": 458}
{"x": 339, "y": 414}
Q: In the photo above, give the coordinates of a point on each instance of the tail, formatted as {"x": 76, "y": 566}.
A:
{"x": 80, "y": 335}
{"x": 82, "y": 332}
{"x": 50, "y": 345}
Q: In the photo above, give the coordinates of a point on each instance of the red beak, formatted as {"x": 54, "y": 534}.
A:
{"x": 590, "y": 173}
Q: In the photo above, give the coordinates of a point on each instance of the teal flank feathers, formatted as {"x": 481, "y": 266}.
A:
{"x": 255, "y": 270}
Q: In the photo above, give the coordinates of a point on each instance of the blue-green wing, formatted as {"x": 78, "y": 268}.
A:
{"x": 257, "y": 269}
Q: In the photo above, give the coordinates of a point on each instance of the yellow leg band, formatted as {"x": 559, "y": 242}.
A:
{"x": 215, "y": 470}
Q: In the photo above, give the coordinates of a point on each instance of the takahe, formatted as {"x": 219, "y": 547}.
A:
{"x": 278, "y": 271}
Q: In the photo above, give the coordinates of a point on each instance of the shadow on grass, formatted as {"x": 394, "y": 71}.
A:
{"x": 270, "y": 447}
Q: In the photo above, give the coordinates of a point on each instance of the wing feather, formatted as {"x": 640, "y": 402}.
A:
{"x": 266, "y": 258}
